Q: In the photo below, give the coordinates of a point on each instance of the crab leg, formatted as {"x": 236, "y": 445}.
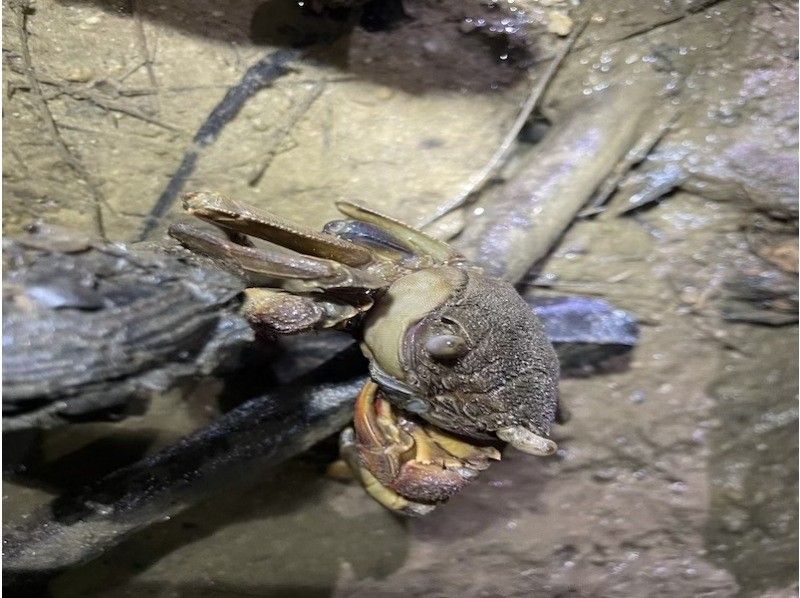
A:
{"x": 237, "y": 217}
{"x": 290, "y": 292}
{"x": 377, "y": 240}
{"x": 402, "y": 233}
{"x": 274, "y": 266}
{"x": 272, "y": 311}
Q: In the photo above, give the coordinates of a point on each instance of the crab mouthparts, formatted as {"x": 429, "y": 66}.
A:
{"x": 401, "y": 395}
{"x": 404, "y": 397}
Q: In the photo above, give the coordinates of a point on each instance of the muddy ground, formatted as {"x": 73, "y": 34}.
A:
{"x": 677, "y": 474}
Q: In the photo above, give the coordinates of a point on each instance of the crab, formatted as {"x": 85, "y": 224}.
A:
{"x": 458, "y": 362}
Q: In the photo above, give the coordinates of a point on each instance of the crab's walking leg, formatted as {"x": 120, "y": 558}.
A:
{"x": 231, "y": 215}
{"x": 289, "y": 292}
{"x": 405, "y": 235}
{"x": 276, "y": 267}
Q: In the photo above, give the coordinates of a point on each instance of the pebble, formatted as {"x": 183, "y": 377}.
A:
{"x": 605, "y": 475}
{"x": 559, "y": 23}
{"x": 384, "y": 93}
{"x": 80, "y": 74}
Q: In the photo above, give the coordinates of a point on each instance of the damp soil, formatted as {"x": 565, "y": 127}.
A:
{"x": 677, "y": 472}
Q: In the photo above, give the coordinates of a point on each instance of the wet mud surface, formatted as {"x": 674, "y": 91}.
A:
{"x": 677, "y": 473}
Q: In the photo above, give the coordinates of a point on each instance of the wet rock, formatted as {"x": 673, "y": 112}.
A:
{"x": 736, "y": 136}
{"x": 90, "y": 330}
{"x": 559, "y": 23}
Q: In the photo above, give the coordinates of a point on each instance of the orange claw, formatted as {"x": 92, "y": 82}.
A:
{"x": 407, "y": 466}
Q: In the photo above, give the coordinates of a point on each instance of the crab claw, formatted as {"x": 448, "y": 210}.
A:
{"x": 407, "y": 466}
{"x": 526, "y": 441}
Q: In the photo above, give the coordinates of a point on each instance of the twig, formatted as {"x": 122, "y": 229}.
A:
{"x": 500, "y": 156}
{"x": 20, "y": 10}
{"x": 146, "y": 91}
{"x": 129, "y": 72}
{"x": 651, "y": 27}
{"x": 143, "y": 48}
{"x": 113, "y": 106}
{"x": 89, "y": 95}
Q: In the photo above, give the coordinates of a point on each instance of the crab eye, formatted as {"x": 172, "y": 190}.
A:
{"x": 446, "y": 347}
